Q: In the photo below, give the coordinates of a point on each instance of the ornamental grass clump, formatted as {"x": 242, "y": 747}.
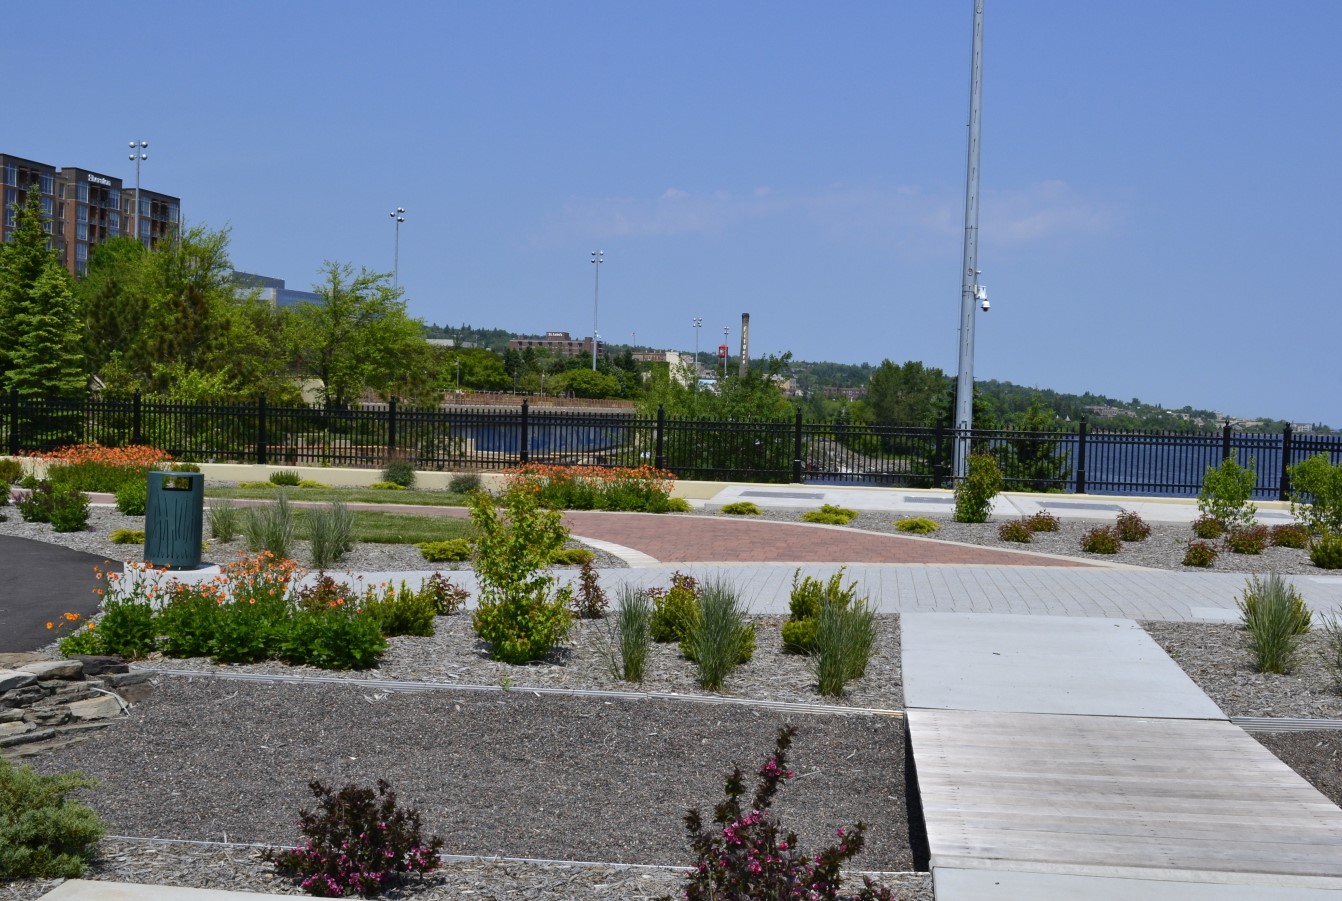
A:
{"x": 630, "y": 635}
{"x": 224, "y": 520}
{"x": 331, "y": 533}
{"x": 44, "y": 834}
{"x": 721, "y": 638}
{"x": 845, "y": 638}
{"x": 357, "y": 842}
{"x": 746, "y": 855}
{"x": 1330, "y": 629}
{"x": 270, "y": 527}
{"x": 1274, "y": 616}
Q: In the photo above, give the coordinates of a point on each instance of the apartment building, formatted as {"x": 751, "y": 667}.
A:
{"x": 560, "y": 343}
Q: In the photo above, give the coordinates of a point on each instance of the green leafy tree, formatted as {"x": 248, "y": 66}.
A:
{"x": 909, "y": 394}
{"x": 1036, "y": 463}
{"x": 586, "y": 383}
{"x": 356, "y": 336}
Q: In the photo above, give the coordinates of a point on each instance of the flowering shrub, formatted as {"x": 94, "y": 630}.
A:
{"x": 749, "y": 857}
{"x": 594, "y": 487}
{"x": 358, "y": 843}
{"x": 92, "y": 467}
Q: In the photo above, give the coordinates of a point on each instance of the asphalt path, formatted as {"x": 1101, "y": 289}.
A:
{"x": 38, "y": 582}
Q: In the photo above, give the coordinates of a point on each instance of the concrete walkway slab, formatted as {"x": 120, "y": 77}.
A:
{"x": 95, "y": 890}
{"x": 1015, "y": 885}
{"x": 1044, "y": 664}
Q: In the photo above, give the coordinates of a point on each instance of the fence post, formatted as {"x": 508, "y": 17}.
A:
{"x": 13, "y": 421}
{"x": 659, "y": 454}
{"x": 796, "y": 449}
{"x": 1081, "y": 458}
{"x": 391, "y": 426}
{"x": 1284, "y": 486}
{"x": 938, "y": 464}
{"x": 524, "y": 439}
{"x": 136, "y": 420}
{"x": 1225, "y": 442}
{"x": 262, "y": 451}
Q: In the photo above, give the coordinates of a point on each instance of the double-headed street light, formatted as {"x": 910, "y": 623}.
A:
{"x": 399, "y": 215}
{"x": 138, "y": 155}
{"x": 698, "y": 323}
{"x": 598, "y": 257}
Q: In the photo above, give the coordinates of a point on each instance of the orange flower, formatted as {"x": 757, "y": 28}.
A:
{"x": 51, "y": 625}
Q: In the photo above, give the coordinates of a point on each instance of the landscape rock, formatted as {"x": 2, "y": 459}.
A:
{"x": 96, "y": 665}
{"x": 100, "y": 708}
{"x": 11, "y": 679}
{"x": 7, "y": 729}
{"x": 54, "y": 669}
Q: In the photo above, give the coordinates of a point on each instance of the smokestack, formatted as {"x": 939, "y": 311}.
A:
{"x": 745, "y": 344}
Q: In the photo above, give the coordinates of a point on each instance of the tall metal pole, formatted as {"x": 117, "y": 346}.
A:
{"x": 399, "y": 215}
{"x": 964, "y": 384}
{"x": 697, "y": 322}
{"x": 137, "y": 153}
{"x": 598, "y": 256}
{"x": 724, "y": 356}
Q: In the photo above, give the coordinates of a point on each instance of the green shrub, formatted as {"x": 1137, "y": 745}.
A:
{"x": 1131, "y": 527}
{"x": 975, "y": 492}
{"x": 181, "y": 467}
{"x": 1017, "y": 530}
{"x": 399, "y": 471}
{"x": 453, "y": 550}
{"x": 224, "y": 520}
{"x": 1101, "y": 540}
{"x": 1043, "y": 521}
{"x": 919, "y": 525}
{"x": 331, "y": 532}
{"x": 1247, "y": 539}
{"x": 270, "y": 527}
{"x": 830, "y": 515}
{"x": 465, "y": 483}
{"x": 447, "y": 598}
{"x": 1325, "y": 551}
{"x": 309, "y": 483}
{"x": 83, "y": 642}
{"x": 589, "y": 602}
{"x": 127, "y": 628}
{"x": 742, "y": 508}
{"x": 720, "y": 639}
{"x": 572, "y": 556}
{"x": 845, "y": 638}
{"x": 1226, "y": 490}
{"x": 358, "y": 843}
{"x": 336, "y": 638}
{"x": 387, "y": 486}
{"x": 132, "y": 497}
{"x": 632, "y": 635}
{"x": 519, "y": 612}
{"x": 127, "y": 536}
{"x": 285, "y": 478}
{"x": 1200, "y": 554}
{"x": 1316, "y": 493}
{"x": 675, "y": 610}
{"x": 29, "y": 482}
{"x": 188, "y": 623}
{"x": 43, "y": 833}
{"x": 1274, "y": 616}
{"x": 401, "y": 612}
{"x": 1208, "y": 528}
{"x": 676, "y": 505}
{"x": 1291, "y": 536}
{"x": 808, "y": 597}
{"x": 37, "y": 504}
{"x": 257, "y": 485}
{"x": 11, "y": 471}
{"x": 69, "y": 510}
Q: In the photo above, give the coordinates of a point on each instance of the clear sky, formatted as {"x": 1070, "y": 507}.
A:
{"x": 1159, "y": 179}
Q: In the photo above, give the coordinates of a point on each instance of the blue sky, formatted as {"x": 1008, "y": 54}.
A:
{"x": 1159, "y": 180}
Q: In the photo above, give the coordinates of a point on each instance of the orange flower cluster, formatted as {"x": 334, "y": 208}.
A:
{"x": 537, "y": 475}
{"x": 140, "y": 455}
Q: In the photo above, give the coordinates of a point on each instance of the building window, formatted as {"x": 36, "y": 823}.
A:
{"x": 144, "y": 206}
{"x": 82, "y": 192}
{"x": 114, "y": 222}
{"x": 11, "y": 174}
{"x": 82, "y": 231}
{"x": 81, "y": 213}
{"x": 81, "y": 252}
{"x": 114, "y": 199}
{"x": 48, "y": 183}
{"x": 46, "y": 205}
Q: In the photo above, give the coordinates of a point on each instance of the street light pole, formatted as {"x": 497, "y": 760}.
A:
{"x": 137, "y": 154}
{"x": 970, "y": 290}
{"x": 697, "y": 322}
{"x": 598, "y": 257}
{"x": 724, "y": 356}
{"x": 399, "y": 215}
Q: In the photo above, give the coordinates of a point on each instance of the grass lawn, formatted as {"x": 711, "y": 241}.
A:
{"x": 412, "y": 496}
{"x": 397, "y": 528}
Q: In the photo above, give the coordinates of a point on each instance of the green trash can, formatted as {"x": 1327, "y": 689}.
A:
{"x": 174, "y": 515}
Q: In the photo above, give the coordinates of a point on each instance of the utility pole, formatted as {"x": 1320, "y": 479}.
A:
{"x": 598, "y": 257}
{"x": 969, "y": 287}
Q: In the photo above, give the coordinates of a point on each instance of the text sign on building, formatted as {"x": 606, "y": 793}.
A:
{"x": 722, "y": 351}
{"x": 99, "y": 180}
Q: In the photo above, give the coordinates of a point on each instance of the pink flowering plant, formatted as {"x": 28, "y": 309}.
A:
{"x": 357, "y": 843}
{"x": 747, "y": 856}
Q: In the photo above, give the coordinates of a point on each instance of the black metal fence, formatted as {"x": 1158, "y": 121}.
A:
{"x": 457, "y": 439}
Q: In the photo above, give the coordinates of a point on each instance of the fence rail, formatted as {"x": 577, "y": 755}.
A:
{"x": 463, "y": 438}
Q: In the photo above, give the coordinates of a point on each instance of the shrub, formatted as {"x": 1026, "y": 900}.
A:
{"x": 182, "y": 467}
{"x": 453, "y": 550}
{"x": 331, "y": 531}
{"x": 1325, "y": 551}
{"x": 132, "y": 497}
{"x": 1208, "y": 528}
{"x": 1291, "y": 536}
{"x": 1200, "y": 554}
{"x": 1101, "y": 540}
{"x": 742, "y": 508}
{"x": 309, "y": 483}
{"x": 401, "y": 612}
{"x": 127, "y": 626}
{"x": 808, "y": 597}
{"x": 69, "y": 509}
{"x": 830, "y": 515}
{"x": 1226, "y": 490}
{"x": 721, "y": 638}
{"x": 845, "y": 637}
{"x": 224, "y": 524}
{"x": 675, "y": 610}
{"x": 188, "y": 623}
{"x": 338, "y": 638}
{"x": 270, "y": 527}
{"x": 975, "y": 492}
{"x": 747, "y": 856}
{"x": 285, "y": 478}
{"x": 91, "y": 467}
{"x": 919, "y": 525}
{"x": 676, "y": 505}
{"x": 387, "y": 486}
{"x": 399, "y": 471}
{"x": 127, "y": 536}
{"x": 37, "y": 504}
{"x": 630, "y": 635}
{"x": 519, "y": 612}
{"x": 1131, "y": 527}
{"x": 11, "y": 471}
{"x": 1043, "y": 521}
{"x": 1273, "y": 615}
{"x": 572, "y": 556}
{"x": 43, "y": 833}
{"x": 590, "y": 600}
{"x": 1247, "y": 539}
{"x": 465, "y": 483}
{"x": 447, "y": 598}
{"x": 1330, "y": 627}
{"x": 358, "y": 843}
{"x": 594, "y": 487}
{"x": 257, "y": 485}
{"x": 1017, "y": 530}
{"x": 1316, "y": 493}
